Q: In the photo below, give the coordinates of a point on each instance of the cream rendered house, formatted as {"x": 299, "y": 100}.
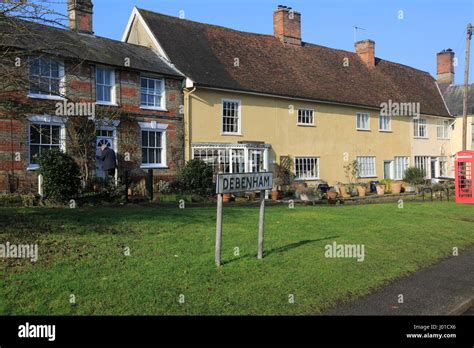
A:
{"x": 252, "y": 100}
{"x": 454, "y": 95}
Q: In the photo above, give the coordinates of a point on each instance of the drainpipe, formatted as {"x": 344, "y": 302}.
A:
{"x": 187, "y": 123}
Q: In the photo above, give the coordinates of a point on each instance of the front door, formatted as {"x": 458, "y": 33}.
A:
{"x": 387, "y": 169}
{"x": 434, "y": 163}
{"x": 99, "y": 165}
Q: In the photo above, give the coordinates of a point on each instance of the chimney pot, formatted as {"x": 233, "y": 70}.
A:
{"x": 445, "y": 67}
{"x": 80, "y": 15}
{"x": 365, "y": 49}
{"x": 287, "y": 25}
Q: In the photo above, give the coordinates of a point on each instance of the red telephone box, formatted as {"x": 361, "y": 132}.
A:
{"x": 463, "y": 167}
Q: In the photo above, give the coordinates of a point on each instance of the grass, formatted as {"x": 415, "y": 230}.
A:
{"x": 81, "y": 252}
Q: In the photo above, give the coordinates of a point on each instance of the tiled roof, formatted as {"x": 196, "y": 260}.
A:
{"x": 454, "y": 95}
{"x": 206, "y": 54}
{"x": 69, "y": 44}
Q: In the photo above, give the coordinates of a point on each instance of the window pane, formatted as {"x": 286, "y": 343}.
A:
{"x": 54, "y": 69}
{"x": 144, "y": 156}
{"x": 107, "y": 94}
{"x": 100, "y": 93}
{"x": 34, "y": 153}
{"x": 144, "y": 82}
{"x": 34, "y": 66}
{"x": 35, "y": 134}
{"x": 45, "y": 134}
{"x": 108, "y": 77}
{"x": 45, "y": 69}
{"x": 152, "y": 139}
{"x": 56, "y": 130}
{"x": 100, "y": 76}
{"x": 158, "y": 156}
{"x": 144, "y": 138}
{"x": 151, "y": 155}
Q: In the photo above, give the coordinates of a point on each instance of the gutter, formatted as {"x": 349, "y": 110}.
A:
{"x": 187, "y": 123}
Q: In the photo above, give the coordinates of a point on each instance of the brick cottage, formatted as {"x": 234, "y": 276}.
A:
{"x": 64, "y": 85}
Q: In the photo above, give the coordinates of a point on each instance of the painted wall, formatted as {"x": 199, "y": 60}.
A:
{"x": 270, "y": 120}
{"x": 457, "y": 134}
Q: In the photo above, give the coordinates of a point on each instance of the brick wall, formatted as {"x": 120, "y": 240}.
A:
{"x": 80, "y": 87}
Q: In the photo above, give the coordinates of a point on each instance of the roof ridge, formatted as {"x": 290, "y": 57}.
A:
{"x": 269, "y": 36}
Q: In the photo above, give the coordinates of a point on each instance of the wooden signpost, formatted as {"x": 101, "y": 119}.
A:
{"x": 233, "y": 183}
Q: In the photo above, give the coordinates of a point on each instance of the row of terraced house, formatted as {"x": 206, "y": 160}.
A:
{"x": 175, "y": 89}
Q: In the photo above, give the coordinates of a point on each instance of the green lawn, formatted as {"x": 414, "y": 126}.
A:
{"x": 81, "y": 252}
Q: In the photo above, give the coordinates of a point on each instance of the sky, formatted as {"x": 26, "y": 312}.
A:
{"x": 409, "y": 32}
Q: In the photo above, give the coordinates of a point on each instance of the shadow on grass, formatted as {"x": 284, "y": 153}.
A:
{"x": 281, "y": 249}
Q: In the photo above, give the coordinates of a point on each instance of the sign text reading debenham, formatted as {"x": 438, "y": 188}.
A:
{"x": 230, "y": 183}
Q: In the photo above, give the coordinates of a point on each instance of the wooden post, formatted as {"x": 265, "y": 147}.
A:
{"x": 219, "y": 230}
{"x": 466, "y": 83}
{"x": 150, "y": 183}
{"x": 126, "y": 185}
{"x": 261, "y": 225}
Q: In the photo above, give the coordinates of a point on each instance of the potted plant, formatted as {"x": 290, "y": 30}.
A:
{"x": 344, "y": 190}
{"x": 332, "y": 193}
{"x": 380, "y": 189}
{"x": 396, "y": 187}
{"x": 361, "y": 189}
{"x": 226, "y": 197}
{"x": 415, "y": 177}
{"x": 275, "y": 194}
{"x": 388, "y": 185}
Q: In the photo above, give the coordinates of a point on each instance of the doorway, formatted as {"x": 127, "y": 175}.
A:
{"x": 387, "y": 169}
{"x": 99, "y": 164}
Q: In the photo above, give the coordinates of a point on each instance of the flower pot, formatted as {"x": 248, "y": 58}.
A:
{"x": 380, "y": 190}
{"x": 361, "y": 190}
{"x": 396, "y": 187}
{"x": 275, "y": 195}
{"x": 332, "y": 195}
{"x": 226, "y": 197}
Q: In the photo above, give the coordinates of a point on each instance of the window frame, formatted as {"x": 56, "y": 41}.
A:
{"x": 395, "y": 167}
{"x": 368, "y": 121}
{"x": 444, "y": 125}
{"x": 389, "y": 129}
{"x": 312, "y": 123}
{"x": 317, "y": 163}
{"x": 113, "y": 92}
{"x": 369, "y": 175}
{"x": 416, "y": 125}
{"x": 62, "y": 81}
{"x": 154, "y": 127}
{"x": 162, "y": 82}
{"x": 41, "y": 121}
{"x": 239, "y": 116}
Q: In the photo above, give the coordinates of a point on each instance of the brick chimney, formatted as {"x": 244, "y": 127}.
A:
{"x": 287, "y": 25}
{"x": 365, "y": 49}
{"x": 445, "y": 67}
{"x": 80, "y": 15}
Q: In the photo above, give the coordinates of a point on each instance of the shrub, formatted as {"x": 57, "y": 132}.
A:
{"x": 60, "y": 175}
{"x": 414, "y": 176}
{"x": 196, "y": 177}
